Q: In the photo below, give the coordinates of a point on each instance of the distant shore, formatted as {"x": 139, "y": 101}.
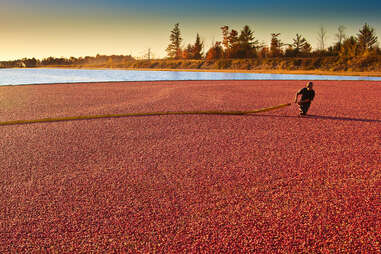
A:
{"x": 364, "y": 65}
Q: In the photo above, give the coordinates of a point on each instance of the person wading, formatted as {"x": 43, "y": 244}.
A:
{"x": 308, "y": 95}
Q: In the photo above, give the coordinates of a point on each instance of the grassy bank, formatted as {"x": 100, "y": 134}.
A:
{"x": 323, "y": 65}
{"x": 359, "y": 66}
{"x": 267, "y": 71}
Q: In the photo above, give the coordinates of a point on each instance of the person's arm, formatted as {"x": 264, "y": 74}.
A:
{"x": 296, "y": 97}
{"x": 297, "y": 94}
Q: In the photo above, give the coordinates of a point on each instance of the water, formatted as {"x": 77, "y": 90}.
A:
{"x": 48, "y": 76}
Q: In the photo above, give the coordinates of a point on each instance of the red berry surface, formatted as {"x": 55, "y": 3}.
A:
{"x": 267, "y": 182}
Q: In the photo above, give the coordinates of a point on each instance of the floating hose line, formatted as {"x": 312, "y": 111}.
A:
{"x": 72, "y": 118}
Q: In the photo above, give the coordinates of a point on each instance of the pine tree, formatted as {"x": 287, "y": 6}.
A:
{"x": 233, "y": 44}
{"x": 247, "y": 43}
{"x": 188, "y": 52}
{"x": 306, "y": 48}
{"x": 300, "y": 44}
{"x": 366, "y": 38}
{"x": 242, "y": 46}
{"x": 174, "y": 48}
{"x": 247, "y": 37}
{"x": 233, "y": 38}
{"x": 225, "y": 36}
{"x": 275, "y": 45}
{"x": 197, "y": 48}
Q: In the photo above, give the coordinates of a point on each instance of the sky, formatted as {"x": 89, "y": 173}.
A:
{"x": 43, "y": 28}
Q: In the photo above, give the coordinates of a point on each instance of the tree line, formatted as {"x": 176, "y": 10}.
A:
{"x": 242, "y": 50}
{"x": 97, "y": 61}
{"x": 244, "y": 45}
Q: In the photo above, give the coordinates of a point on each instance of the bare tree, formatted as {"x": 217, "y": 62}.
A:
{"x": 322, "y": 37}
{"x": 340, "y": 34}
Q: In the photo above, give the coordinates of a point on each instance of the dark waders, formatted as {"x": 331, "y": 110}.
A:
{"x": 303, "y": 108}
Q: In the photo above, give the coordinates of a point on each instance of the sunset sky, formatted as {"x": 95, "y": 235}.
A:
{"x": 42, "y": 28}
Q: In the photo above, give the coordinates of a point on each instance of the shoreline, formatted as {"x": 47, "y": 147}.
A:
{"x": 176, "y": 82}
{"x": 263, "y": 71}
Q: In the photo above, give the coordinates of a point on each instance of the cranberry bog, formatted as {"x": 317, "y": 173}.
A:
{"x": 267, "y": 182}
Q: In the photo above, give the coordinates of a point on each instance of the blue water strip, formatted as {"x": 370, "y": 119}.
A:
{"x": 49, "y": 76}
